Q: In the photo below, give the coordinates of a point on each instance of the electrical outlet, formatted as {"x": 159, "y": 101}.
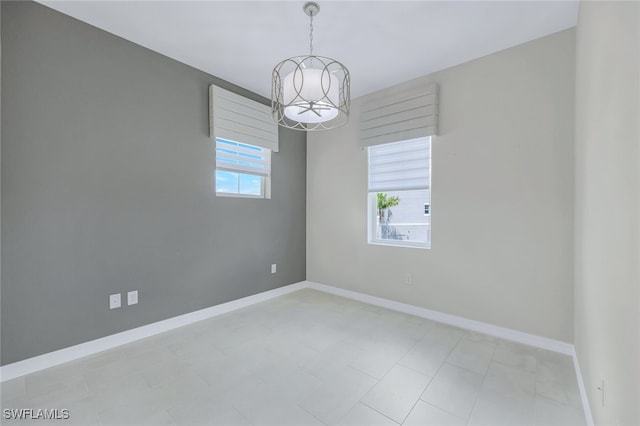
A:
{"x": 132, "y": 298}
{"x": 114, "y": 301}
{"x": 408, "y": 279}
{"x": 274, "y": 268}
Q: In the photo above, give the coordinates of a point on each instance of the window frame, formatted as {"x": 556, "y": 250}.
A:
{"x": 372, "y": 208}
{"x": 265, "y": 179}
{"x": 263, "y": 189}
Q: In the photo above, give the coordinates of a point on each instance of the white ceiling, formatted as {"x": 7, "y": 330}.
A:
{"x": 381, "y": 42}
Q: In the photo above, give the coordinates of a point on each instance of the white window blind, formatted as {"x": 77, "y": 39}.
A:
{"x": 404, "y": 112}
{"x": 236, "y": 118}
{"x": 400, "y": 166}
{"x": 242, "y": 158}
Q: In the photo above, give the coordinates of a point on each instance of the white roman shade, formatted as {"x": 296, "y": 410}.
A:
{"x": 400, "y": 166}
{"x": 236, "y": 118}
{"x": 404, "y": 112}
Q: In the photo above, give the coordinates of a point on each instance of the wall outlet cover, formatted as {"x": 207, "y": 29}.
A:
{"x": 132, "y": 297}
{"x": 114, "y": 301}
{"x": 408, "y": 279}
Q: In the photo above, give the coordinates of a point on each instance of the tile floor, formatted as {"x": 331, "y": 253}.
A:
{"x": 309, "y": 358}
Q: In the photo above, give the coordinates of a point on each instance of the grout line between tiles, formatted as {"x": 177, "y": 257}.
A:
{"x": 381, "y": 413}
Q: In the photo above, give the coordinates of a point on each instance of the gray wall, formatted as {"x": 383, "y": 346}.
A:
{"x": 107, "y": 187}
{"x": 502, "y": 197}
{"x": 607, "y": 213}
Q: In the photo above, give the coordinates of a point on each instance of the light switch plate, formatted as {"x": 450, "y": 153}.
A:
{"x": 132, "y": 297}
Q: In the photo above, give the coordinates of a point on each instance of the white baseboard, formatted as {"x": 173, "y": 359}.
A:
{"x": 31, "y": 365}
{"x": 468, "y": 324}
{"x": 61, "y": 356}
{"x": 583, "y": 392}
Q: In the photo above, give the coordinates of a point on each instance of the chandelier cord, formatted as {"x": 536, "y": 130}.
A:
{"x": 311, "y": 34}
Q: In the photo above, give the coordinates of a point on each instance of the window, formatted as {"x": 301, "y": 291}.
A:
{"x": 399, "y": 200}
{"x": 242, "y": 170}
{"x": 245, "y": 136}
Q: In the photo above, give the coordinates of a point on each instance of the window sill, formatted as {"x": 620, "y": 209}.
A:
{"x": 230, "y": 195}
{"x": 401, "y": 243}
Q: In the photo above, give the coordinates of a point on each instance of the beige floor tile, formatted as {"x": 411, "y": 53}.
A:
{"x": 516, "y": 355}
{"x": 548, "y": 412}
{"x": 12, "y": 389}
{"x": 362, "y": 415}
{"x": 556, "y": 379}
{"x": 397, "y": 392}
{"x": 454, "y": 389}
{"x": 426, "y": 357}
{"x": 308, "y": 358}
{"x": 338, "y": 394}
{"x": 473, "y": 354}
{"x": 506, "y": 397}
{"x": 425, "y": 414}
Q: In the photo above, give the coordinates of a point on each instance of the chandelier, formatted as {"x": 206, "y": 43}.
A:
{"x": 310, "y": 92}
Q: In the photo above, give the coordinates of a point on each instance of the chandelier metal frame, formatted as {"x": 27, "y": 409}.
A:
{"x": 310, "y": 92}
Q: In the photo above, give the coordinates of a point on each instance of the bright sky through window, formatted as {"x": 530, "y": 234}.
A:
{"x": 241, "y": 169}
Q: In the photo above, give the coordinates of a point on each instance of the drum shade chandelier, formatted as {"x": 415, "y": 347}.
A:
{"x": 310, "y": 92}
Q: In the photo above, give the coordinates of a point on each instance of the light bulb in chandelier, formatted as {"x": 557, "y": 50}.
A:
{"x": 311, "y": 95}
